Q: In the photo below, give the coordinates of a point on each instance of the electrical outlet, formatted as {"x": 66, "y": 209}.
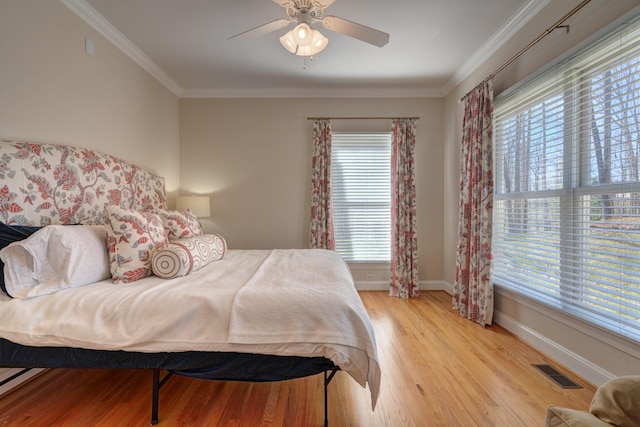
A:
{"x": 370, "y": 277}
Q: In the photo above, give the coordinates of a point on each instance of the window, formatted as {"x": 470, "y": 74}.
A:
{"x": 567, "y": 203}
{"x": 361, "y": 195}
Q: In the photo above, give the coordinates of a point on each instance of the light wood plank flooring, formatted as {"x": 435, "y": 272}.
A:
{"x": 437, "y": 370}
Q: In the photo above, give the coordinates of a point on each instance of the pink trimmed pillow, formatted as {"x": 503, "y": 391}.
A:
{"x": 132, "y": 237}
{"x": 180, "y": 224}
{"x": 184, "y": 256}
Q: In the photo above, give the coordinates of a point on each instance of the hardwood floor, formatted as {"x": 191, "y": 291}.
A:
{"x": 437, "y": 370}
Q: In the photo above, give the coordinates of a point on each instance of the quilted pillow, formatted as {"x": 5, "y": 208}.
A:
{"x": 180, "y": 224}
{"x": 565, "y": 417}
{"x": 8, "y": 235}
{"x": 181, "y": 257}
{"x": 54, "y": 258}
{"x": 132, "y": 238}
{"x": 617, "y": 401}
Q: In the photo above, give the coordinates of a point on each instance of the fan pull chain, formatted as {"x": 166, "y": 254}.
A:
{"x": 304, "y": 61}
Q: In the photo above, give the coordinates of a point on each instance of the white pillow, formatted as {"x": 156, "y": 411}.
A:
{"x": 55, "y": 257}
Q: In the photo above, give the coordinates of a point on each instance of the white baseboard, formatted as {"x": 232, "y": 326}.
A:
{"x": 425, "y": 285}
{"x": 8, "y": 372}
{"x": 370, "y": 285}
{"x": 587, "y": 370}
{"x": 436, "y": 285}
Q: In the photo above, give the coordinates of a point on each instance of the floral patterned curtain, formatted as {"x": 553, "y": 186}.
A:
{"x": 321, "y": 230}
{"x": 404, "y": 235}
{"x": 473, "y": 288}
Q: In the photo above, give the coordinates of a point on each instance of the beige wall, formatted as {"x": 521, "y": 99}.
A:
{"x": 592, "y": 353}
{"x": 253, "y": 156}
{"x": 52, "y": 91}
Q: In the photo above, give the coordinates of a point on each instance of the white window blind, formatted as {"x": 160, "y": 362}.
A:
{"x": 567, "y": 203}
{"x": 361, "y": 195}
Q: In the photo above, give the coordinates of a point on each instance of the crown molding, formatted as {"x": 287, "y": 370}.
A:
{"x": 96, "y": 21}
{"x": 523, "y": 16}
{"x": 314, "y": 93}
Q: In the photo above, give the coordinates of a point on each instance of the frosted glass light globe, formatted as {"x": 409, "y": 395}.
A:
{"x": 302, "y": 34}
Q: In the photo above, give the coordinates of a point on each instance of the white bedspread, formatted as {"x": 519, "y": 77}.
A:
{"x": 282, "y": 302}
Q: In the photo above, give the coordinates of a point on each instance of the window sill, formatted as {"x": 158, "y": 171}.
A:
{"x": 368, "y": 265}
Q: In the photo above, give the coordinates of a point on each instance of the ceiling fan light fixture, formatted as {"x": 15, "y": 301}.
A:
{"x": 302, "y": 34}
{"x": 305, "y": 41}
{"x": 318, "y": 41}
{"x": 304, "y": 51}
{"x": 312, "y": 49}
{"x": 288, "y": 42}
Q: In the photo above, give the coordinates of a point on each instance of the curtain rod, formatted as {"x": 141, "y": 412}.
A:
{"x": 530, "y": 45}
{"x": 361, "y": 118}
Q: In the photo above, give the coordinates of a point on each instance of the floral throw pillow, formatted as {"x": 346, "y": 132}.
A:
{"x": 132, "y": 237}
{"x": 180, "y": 224}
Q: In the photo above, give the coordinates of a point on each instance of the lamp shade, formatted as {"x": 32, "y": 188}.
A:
{"x": 302, "y": 34}
{"x": 318, "y": 41}
{"x": 198, "y": 205}
{"x": 288, "y": 42}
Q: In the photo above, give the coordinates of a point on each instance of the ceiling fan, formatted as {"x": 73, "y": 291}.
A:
{"x": 304, "y": 40}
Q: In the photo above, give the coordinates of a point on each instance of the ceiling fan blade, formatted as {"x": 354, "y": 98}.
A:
{"x": 357, "y": 31}
{"x": 325, "y": 3}
{"x": 261, "y": 30}
{"x": 285, "y": 3}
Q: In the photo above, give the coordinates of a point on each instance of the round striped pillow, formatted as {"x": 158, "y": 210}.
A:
{"x": 183, "y": 256}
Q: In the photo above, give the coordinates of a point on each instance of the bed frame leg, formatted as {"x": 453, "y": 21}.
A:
{"x": 327, "y": 380}
{"x": 154, "y": 396}
{"x": 157, "y": 383}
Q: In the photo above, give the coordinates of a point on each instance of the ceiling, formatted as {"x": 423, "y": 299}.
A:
{"x": 433, "y": 45}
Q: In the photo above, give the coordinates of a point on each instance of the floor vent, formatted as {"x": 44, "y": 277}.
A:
{"x": 558, "y": 377}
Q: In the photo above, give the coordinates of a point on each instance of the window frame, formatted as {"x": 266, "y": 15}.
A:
{"x": 576, "y": 186}
{"x": 354, "y": 138}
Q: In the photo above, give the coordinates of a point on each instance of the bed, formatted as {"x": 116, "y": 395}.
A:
{"x": 244, "y": 315}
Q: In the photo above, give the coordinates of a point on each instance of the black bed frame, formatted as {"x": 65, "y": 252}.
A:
{"x": 158, "y": 383}
{"x": 222, "y": 366}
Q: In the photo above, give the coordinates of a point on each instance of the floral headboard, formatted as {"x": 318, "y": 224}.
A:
{"x": 42, "y": 184}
